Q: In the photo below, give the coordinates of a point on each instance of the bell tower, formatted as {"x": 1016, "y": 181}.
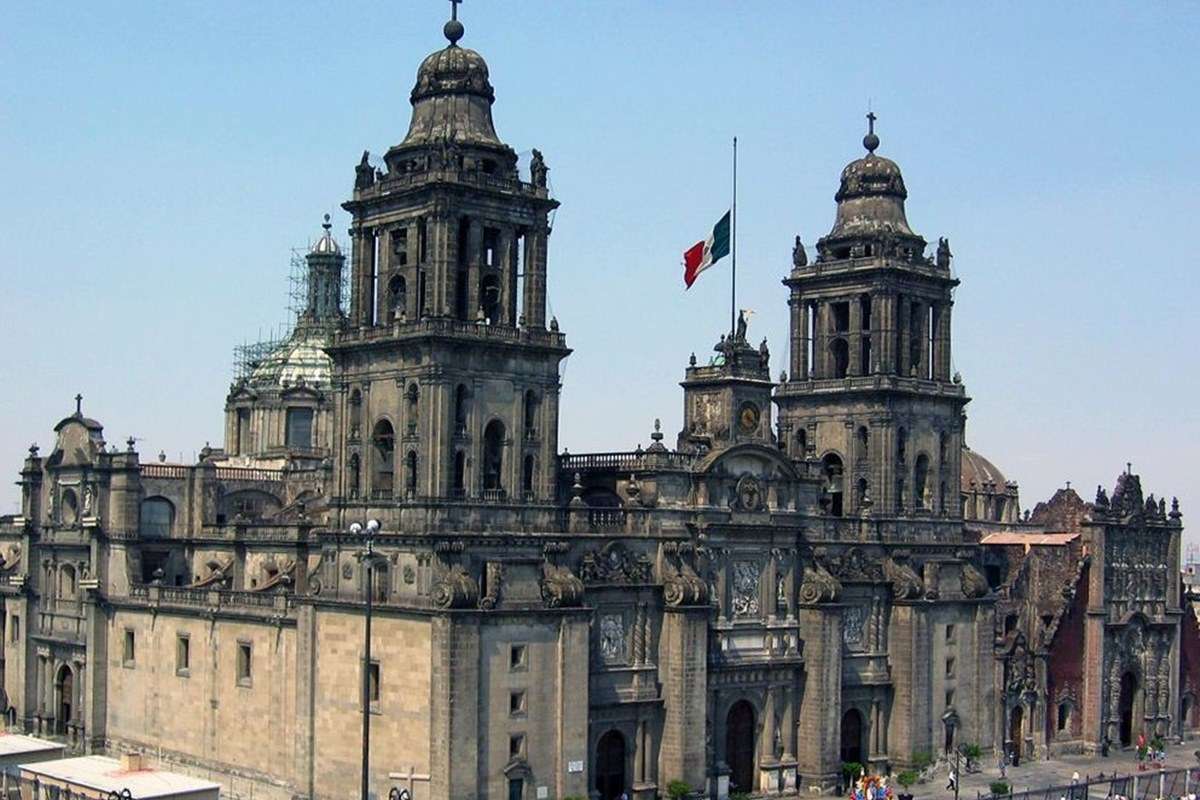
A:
{"x": 870, "y": 396}
{"x": 447, "y": 369}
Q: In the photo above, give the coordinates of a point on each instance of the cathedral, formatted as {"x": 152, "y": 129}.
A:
{"x": 818, "y": 573}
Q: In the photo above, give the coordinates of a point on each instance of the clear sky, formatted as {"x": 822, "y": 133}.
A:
{"x": 159, "y": 160}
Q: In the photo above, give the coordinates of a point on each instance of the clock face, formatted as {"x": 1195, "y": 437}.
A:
{"x": 748, "y": 417}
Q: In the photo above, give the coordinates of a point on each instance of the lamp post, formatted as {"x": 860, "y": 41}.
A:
{"x": 368, "y": 558}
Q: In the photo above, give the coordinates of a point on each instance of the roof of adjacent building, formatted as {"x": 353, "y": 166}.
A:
{"x": 106, "y": 775}
{"x": 16, "y": 744}
{"x": 1031, "y": 539}
{"x": 301, "y": 359}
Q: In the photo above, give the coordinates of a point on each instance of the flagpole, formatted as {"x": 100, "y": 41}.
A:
{"x": 733, "y": 234}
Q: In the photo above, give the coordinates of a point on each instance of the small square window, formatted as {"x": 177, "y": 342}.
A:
{"x": 243, "y": 664}
{"x": 949, "y": 633}
{"x": 183, "y": 655}
{"x": 516, "y": 746}
{"x": 516, "y": 704}
{"x": 373, "y": 681}
{"x": 127, "y": 652}
{"x": 949, "y": 667}
{"x": 517, "y": 657}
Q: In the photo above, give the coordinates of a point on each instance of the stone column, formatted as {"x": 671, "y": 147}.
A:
{"x": 474, "y": 255}
{"x": 683, "y": 654}
{"x": 903, "y": 367}
{"x": 818, "y": 750}
{"x": 536, "y": 246}
{"x": 926, "y": 332}
{"x": 768, "y": 764}
{"x": 506, "y": 253}
{"x": 799, "y": 322}
{"x": 876, "y": 337}
{"x": 855, "y": 341}
{"x": 821, "y": 341}
{"x": 944, "y": 360}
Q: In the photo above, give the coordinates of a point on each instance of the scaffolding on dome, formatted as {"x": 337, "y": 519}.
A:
{"x": 249, "y": 356}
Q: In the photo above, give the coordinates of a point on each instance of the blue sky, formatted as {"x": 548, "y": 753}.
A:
{"x": 159, "y": 160}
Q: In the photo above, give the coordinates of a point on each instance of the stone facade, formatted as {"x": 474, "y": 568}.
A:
{"x": 745, "y": 612}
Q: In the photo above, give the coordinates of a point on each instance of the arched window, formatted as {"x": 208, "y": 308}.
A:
{"x": 70, "y": 507}
{"x": 355, "y": 474}
{"x": 920, "y": 483}
{"x": 801, "y": 442}
{"x": 410, "y": 473}
{"x": 864, "y": 443}
{"x": 901, "y": 445}
{"x": 489, "y": 298}
{"x": 840, "y": 352}
{"x": 157, "y": 516}
{"x": 493, "y": 456}
{"x": 1064, "y": 715}
{"x": 531, "y": 414}
{"x": 460, "y": 473}
{"x": 527, "y": 471}
{"x": 383, "y": 450}
{"x": 66, "y": 582}
{"x": 831, "y": 467}
{"x": 860, "y": 493}
{"x": 460, "y": 409}
{"x": 397, "y": 298}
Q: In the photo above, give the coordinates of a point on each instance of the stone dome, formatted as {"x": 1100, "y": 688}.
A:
{"x": 870, "y": 200}
{"x": 452, "y": 99}
{"x": 978, "y": 471}
{"x": 300, "y": 359}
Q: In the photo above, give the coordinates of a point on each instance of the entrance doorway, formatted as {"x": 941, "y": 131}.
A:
{"x": 1016, "y": 722}
{"x": 66, "y": 691}
{"x": 1125, "y": 707}
{"x": 739, "y": 746}
{"x": 852, "y": 733}
{"x": 610, "y": 765}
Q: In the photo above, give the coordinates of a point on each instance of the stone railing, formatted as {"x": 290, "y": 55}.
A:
{"x": 279, "y": 602}
{"x": 447, "y": 326}
{"x": 625, "y": 462}
{"x": 249, "y": 474}
{"x": 870, "y": 382}
{"x": 169, "y": 471}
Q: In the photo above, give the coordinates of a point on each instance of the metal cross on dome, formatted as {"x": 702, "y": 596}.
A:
{"x": 454, "y": 9}
{"x": 870, "y": 114}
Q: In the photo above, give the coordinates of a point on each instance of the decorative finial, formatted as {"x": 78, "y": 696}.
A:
{"x": 871, "y": 141}
{"x": 79, "y": 405}
{"x": 33, "y": 450}
{"x": 129, "y": 444}
{"x": 453, "y": 29}
{"x": 326, "y": 224}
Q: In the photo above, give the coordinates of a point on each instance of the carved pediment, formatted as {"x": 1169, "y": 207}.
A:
{"x": 615, "y": 563}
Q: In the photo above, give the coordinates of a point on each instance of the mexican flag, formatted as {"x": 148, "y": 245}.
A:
{"x": 703, "y": 255}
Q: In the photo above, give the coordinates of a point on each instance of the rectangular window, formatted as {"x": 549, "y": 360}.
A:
{"x": 516, "y": 789}
{"x": 183, "y": 655}
{"x": 516, "y": 657}
{"x": 16, "y": 628}
{"x": 243, "y": 431}
{"x": 373, "y": 682}
{"x": 950, "y": 698}
{"x": 300, "y": 428}
{"x": 243, "y": 664}
{"x": 127, "y": 652}
{"x": 949, "y": 667}
{"x": 516, "y": 704}
{"x": 949, "y": 633}
{"x": 516, "y": 746}
{"x": 400, "y": 246}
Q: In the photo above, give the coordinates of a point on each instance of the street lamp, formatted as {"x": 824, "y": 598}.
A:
{"x": 368, "y": 558}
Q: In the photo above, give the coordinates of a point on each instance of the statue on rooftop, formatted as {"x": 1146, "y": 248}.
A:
{"x": 799, "y": 257}
{"x": 943, "y": 252}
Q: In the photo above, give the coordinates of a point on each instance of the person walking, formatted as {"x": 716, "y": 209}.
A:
{"x": 952, "y": 781}
{"x": 1003, "y": 766}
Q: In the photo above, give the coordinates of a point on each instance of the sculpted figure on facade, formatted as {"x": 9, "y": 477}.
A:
{"x": 746, "y": 575}
{"x": 615, "y": 563}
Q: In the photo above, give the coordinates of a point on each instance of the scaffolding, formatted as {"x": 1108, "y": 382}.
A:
{"x": 249, "y": 356}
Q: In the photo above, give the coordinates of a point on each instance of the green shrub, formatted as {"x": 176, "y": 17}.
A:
{"x": 906, "y": 778}
{"x": 851, "y": 770}
{"x": 998, "y": 787}
{"x": 678, "y": 790}
{"x": 972, "y": 751}
{"x": 921, "y": 760}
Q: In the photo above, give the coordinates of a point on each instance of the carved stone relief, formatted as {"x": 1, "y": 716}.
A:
{"x": 612, "y": 638}
{"x": 746, "y": 575}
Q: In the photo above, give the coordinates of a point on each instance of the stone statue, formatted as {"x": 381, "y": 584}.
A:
{"x": 538, "y": 169}
{"x": 799, "y": 257}
{"x": 364, "y": 174}
{"x": 943, "y": 252}
{"x": 741, "y": 326}
{"x": 764, "y": 354}
{"x": 88, "y": 499}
